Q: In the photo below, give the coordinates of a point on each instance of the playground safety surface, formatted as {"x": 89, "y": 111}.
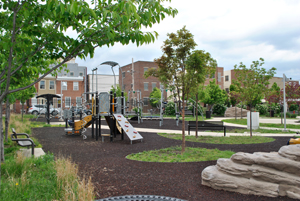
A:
{"x": 114, "y": 175}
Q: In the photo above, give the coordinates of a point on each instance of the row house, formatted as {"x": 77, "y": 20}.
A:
{"x": 230, "y": 75}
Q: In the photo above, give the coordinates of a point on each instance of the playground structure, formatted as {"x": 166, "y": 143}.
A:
{"x": 103, "y": 105}
{"x": 293, "y": 141}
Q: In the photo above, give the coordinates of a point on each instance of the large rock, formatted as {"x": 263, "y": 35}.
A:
{"x": 268, "y": 174}
{"x": 230, "y": 112}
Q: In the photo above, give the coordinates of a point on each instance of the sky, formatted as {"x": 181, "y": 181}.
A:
{"x": 232, "y": 31}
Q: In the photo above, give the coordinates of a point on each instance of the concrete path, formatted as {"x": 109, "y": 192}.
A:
{"x": 262, "y": 120}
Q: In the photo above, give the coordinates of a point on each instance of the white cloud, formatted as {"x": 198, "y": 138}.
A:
{"x": 232, "y": 31}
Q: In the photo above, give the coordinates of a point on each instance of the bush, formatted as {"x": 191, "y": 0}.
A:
{"x": 239, "y": 106}
{"x": 170, "y": 108}
{"x": 293, "y": 107}
{"x": 276, "y": 107}
{"x": 288, "y": 115}
{"x": 293, "y": 115}
{"x": 219, "y": 109}
{"x": 261, "y": 108}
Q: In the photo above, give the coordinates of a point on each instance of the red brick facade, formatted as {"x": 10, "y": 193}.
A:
{"x": 140, "y": 82}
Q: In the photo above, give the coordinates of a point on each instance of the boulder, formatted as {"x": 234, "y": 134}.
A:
{"x": 267, "y": 174}
{"x": 230, "y": 112}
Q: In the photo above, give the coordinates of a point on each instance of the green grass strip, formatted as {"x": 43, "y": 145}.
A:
{"x": 173, "y": 155}
{"x": 244, "y": 122}
{"x": 221, "y": 140}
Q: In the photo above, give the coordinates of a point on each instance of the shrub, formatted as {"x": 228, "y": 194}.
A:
{"x": 219, "y": 109}
{"x": 288, "y": 115}
{"x": 276, "y": 107}
{"x": 239, "y": 106}
{"x": 261, "y": 108}
{"x": 293, "y": 107}
{"x": 170, "y": 108}
{"x": 293, "y": 115}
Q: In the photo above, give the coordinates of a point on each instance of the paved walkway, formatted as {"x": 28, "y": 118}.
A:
{"x": 261, "y": 120}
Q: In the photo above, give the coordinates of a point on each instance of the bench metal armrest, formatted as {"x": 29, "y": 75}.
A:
{"x": 23, "y": 139}
{"x": 20, "y": 134}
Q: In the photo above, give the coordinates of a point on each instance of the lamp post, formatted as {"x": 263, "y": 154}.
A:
{"x": 284, "y": 79}
{"x": 61, "y": 100}
{"x": 112, "y": 64}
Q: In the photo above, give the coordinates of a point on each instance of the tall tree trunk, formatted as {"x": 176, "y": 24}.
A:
{"x": 196, "y": 115}
{"x": 235, "y": 113}
{"x": 241, "y": 111}
{"x": 22, "y": 111}
{"x": 7, "y": 118}
{"x": 250, "y": 121}
{"x": 183, "y": 127}
{"x": 1, "y": 138}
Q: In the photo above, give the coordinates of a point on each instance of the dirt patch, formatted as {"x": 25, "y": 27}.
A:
{"x": 114, "y": 175}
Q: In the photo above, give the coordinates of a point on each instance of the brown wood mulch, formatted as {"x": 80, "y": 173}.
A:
{"x": 114, "y": 175}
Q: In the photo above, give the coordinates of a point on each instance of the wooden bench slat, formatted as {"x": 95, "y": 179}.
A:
{"x": 211, "y": 125}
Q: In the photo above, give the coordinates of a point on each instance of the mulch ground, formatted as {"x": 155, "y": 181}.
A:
{"x": 114, "y": 175}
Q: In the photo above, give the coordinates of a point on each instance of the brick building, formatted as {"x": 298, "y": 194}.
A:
{"x": 136, "y": 85}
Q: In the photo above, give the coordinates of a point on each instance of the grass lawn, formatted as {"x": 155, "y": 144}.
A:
{"x": 40, "y": 178}
{"x": 244, "y": 122}
{"x": 221, "y": 140}
{"x": 173, "y": 154}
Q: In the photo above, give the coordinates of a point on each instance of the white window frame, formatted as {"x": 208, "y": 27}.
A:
{"x": 64, "y": 86}
{"x": 147, "y": 101}
{"x": 146, "y": 84}
{"x": 71, "y": 74}
{"x": 42, "y": 85}
{"x": 67, "y": 101}
{"x": 80, "y": 74}
{"x": 75, "y": 88}
{"x": 154, "y": 84}
{"x": 51, "y": 85}
{"x": 146, "y": 69}
{"x": 78, "y": 101}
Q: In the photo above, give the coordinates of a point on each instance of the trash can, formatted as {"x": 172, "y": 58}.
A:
{"x": 272, "y": 113}
{"x": 208, "y": 114}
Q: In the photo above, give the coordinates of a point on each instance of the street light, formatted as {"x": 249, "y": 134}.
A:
{"x": 95, "y": 69}
{"x": 113, "y": 64}
{"x": 61, "y": 96}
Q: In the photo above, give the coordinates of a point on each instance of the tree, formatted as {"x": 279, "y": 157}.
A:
{"x": 155, "y": 97}
{"x": 252, "y": 83}
{"x": 292, "y": 90}
{"x": 33, "y": 34}
{"x": 180, "y": 69}
{"x": 213, "y": 94}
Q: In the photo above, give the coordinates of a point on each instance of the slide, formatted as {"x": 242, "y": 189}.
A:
{"x": 84, "y": 123}
{"x": 127, "y": 128}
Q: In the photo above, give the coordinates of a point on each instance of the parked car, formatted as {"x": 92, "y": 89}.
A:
{"x": 86, "y": 111}
{"x": 41, "y": 109}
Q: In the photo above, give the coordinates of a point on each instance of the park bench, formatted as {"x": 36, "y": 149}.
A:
{"x": 23, "y": 142}
{"x": 208, "y": 125}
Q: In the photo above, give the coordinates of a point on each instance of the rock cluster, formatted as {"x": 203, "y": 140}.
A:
{"x": 267, "y": 174}
{"x": 230, "y": 112}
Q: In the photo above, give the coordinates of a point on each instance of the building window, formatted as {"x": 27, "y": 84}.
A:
{"x": 78, "y": 101}
{"x": 145, "y": 86}
{"x": 75, "y": 86}
{"x": 68, "y": 102}
{"x": 123, "y": 74}
{"x": 226, "y": 78}
{"x": 65, "y": 74}
{"x": 81, "y": 74}
{"x": 145, "y": 101}
{"x": 153, "y": 85}
{"x": 71, "y": 74}
{"x": 64, "y": 86}
{"x": 213, "y": 76}
{"x": 51, "y": 84}
{"x": 42, "y": 84}
{"x": 219, "y": 77}
{"x": 227, "y": 90}
{"x": 145, "y": 69}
